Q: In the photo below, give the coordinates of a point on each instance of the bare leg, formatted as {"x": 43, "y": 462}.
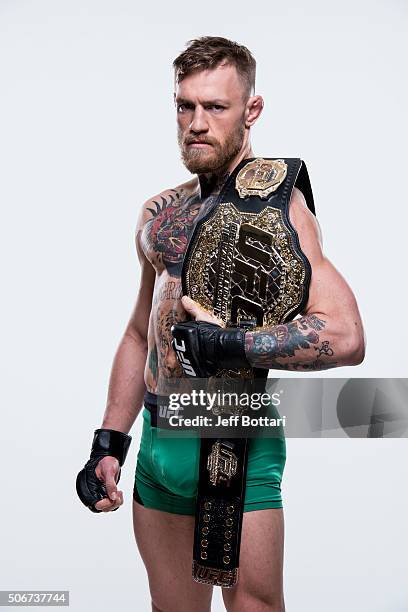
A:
{"x": 165, "y": 542}
{"x": 260, "y": 582}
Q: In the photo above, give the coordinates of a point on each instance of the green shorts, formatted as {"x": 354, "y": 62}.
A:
{"x": 167, "y": 471}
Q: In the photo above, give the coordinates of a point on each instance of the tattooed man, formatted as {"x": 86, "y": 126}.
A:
{"x": 216, "y": 108}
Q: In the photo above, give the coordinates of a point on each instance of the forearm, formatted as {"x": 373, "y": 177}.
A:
{"x": 126, "y": 385}
{"x": 312, "y": 342}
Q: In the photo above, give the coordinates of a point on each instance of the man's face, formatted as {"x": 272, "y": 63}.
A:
{"x": 211, "y": 118}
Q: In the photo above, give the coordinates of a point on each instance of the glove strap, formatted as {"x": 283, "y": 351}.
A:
{"x": 110, "y": 442}
{"x": 231, "y": 348}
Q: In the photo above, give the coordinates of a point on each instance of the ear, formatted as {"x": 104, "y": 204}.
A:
{"x": 253, "y": 109}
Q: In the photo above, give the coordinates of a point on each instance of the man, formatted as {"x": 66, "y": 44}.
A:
{"x": 216, "y": 109}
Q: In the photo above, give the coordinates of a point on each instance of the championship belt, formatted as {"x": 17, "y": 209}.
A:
{"x": 243, "y": 263}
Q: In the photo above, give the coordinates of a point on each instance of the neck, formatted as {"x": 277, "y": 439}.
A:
{"x": 211, "y": 183}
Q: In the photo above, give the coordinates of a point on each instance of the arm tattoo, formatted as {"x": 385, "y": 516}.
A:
{"x": 264, "y": 348}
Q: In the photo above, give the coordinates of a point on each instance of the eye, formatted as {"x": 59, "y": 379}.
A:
{"x": 182, "y": 108}
{"x": 216, "y": 108}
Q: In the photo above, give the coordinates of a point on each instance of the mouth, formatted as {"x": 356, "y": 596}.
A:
{"x": 197, "y": 144}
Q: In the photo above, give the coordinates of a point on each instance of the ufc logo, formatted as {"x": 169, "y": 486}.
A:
{"x": 184, "y": 362}
{"x": 255, "y": 274}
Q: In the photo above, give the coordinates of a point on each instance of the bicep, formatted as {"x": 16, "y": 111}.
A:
{"x": 329, "y": 293}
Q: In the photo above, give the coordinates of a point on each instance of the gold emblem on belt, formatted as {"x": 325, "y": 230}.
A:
{"x": 222, "y": 463}
{"x": 260, "y": 177}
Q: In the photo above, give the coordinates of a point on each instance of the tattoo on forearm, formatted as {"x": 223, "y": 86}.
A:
{"x": 324, "y": 349}
{"x": 263, "y": 348}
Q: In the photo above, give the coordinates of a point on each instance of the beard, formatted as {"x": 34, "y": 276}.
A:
{"x": 211, "y": 159}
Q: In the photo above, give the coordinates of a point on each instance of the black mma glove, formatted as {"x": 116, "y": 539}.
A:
{"x": 106, "y": 442}
{"x": 204, "y": 348}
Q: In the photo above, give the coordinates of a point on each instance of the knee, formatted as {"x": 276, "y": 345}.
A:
{"x": 246, "y": 600}
{"x": 182, "y": 600}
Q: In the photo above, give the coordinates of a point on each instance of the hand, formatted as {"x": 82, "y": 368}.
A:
{"x": 204, "y": 347}
{"x": 96, "y": 482}
{"x": 198, "y": 313}
{"x": 108, "y": 472}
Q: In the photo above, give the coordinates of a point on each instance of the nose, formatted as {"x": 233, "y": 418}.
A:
{"x": 199, "y": 122}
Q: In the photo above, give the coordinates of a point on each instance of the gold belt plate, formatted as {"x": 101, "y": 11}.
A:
{"x": 245, "y": 266}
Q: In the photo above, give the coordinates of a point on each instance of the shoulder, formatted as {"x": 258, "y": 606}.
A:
{"x": 164, "y": 199}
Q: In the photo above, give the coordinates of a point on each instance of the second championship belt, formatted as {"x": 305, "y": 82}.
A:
{"x": 244, "y": 264}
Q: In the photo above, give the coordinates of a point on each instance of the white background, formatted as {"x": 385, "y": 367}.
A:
{"x": 87, "y": 134}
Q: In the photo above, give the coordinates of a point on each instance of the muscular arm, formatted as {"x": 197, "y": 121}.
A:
{"x": 126, "y": 385}
{"x": 330, "y": 332}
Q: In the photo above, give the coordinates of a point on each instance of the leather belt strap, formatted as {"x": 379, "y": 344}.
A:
{"x": 219, "y": 510}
